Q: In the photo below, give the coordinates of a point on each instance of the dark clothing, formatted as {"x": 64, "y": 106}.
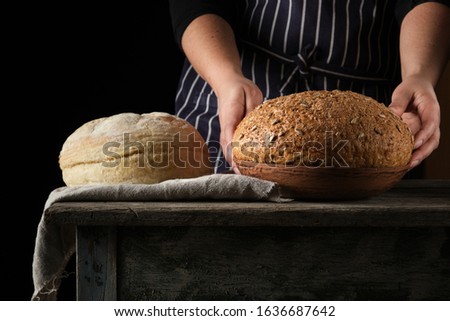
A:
{"x": 297, "y": 45}
{"x": 183, "y": 12}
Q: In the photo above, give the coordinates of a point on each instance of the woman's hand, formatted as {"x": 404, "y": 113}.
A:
{"x": 210, "y": 46}
{"x": 424, "y": 52}
{"x": 237, "y": 96}
{"x": 415, "y": 101}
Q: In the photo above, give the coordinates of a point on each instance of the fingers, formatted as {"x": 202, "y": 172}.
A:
{"x": 233, "y": 107}
{"x": 415, "y": 101}
{"x": 226, "y": 137}
{"x": 253, "y": 97}
{"x": 426, "y": 139}
{"x": 429, "y": 113}
{"x": 425, "y": 149}
{"x": 401, "y": 98}
{"x": 427, "y": 132}
{"x": 413, "y": 122}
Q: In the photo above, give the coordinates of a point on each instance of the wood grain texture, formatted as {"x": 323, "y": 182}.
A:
{"x": 262, "y": 263}
{"x": 410, "y": 204}
{"x": 96, "y": 263}
{"x": 392, "y": 247}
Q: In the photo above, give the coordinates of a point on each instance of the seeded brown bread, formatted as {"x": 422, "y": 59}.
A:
{"x": 133, "y": 148}
{"x": 323, "y": 128}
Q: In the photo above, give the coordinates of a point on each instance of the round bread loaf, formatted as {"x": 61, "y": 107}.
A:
{"x": 323, "y": 129}
{"x": 133, "y": 148}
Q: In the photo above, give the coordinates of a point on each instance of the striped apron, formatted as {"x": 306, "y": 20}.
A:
{"x": 289, "y": 46}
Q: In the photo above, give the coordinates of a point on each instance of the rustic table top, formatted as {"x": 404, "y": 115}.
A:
{"x": 411, "y": 203}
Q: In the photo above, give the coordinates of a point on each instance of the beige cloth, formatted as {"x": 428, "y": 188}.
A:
{"x": 55, "y": 244}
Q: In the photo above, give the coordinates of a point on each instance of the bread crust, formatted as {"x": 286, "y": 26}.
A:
{"x": 133, "y": 148}
{"x": 324, "y": 129}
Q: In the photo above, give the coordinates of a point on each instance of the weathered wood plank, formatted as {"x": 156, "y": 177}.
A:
{"x": 261, "y": 263}
{"x": 96, "y": 263}
{"x": 400, "y": 249}
{"x": 247, "y": 214}
{"x": 412, "y": 203}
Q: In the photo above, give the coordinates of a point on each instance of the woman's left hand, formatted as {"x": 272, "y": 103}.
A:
{"x": 415, "y": 101}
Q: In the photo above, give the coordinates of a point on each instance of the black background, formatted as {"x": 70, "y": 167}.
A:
{"x": 77, "y": 64}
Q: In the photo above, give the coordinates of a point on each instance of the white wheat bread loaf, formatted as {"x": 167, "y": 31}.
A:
{"x": 133, "y": 148}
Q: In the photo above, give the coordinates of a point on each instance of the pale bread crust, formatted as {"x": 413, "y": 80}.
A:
{"x": 279, "y": 131}
{"x": 133, "y": 148}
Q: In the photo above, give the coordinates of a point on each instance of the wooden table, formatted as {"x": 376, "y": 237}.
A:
{"x": 392, "y": 247}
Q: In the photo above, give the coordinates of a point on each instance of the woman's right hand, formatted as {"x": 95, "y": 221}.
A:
{"x": 237, "y": 97}
{"x": 210, "y": 46}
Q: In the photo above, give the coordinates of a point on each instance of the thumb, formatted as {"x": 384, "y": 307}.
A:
{"x": 226, "y": 137}
{"x": 400, "y": 100}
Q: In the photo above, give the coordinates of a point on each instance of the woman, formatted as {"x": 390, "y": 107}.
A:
{"x": 240, "y": 53}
